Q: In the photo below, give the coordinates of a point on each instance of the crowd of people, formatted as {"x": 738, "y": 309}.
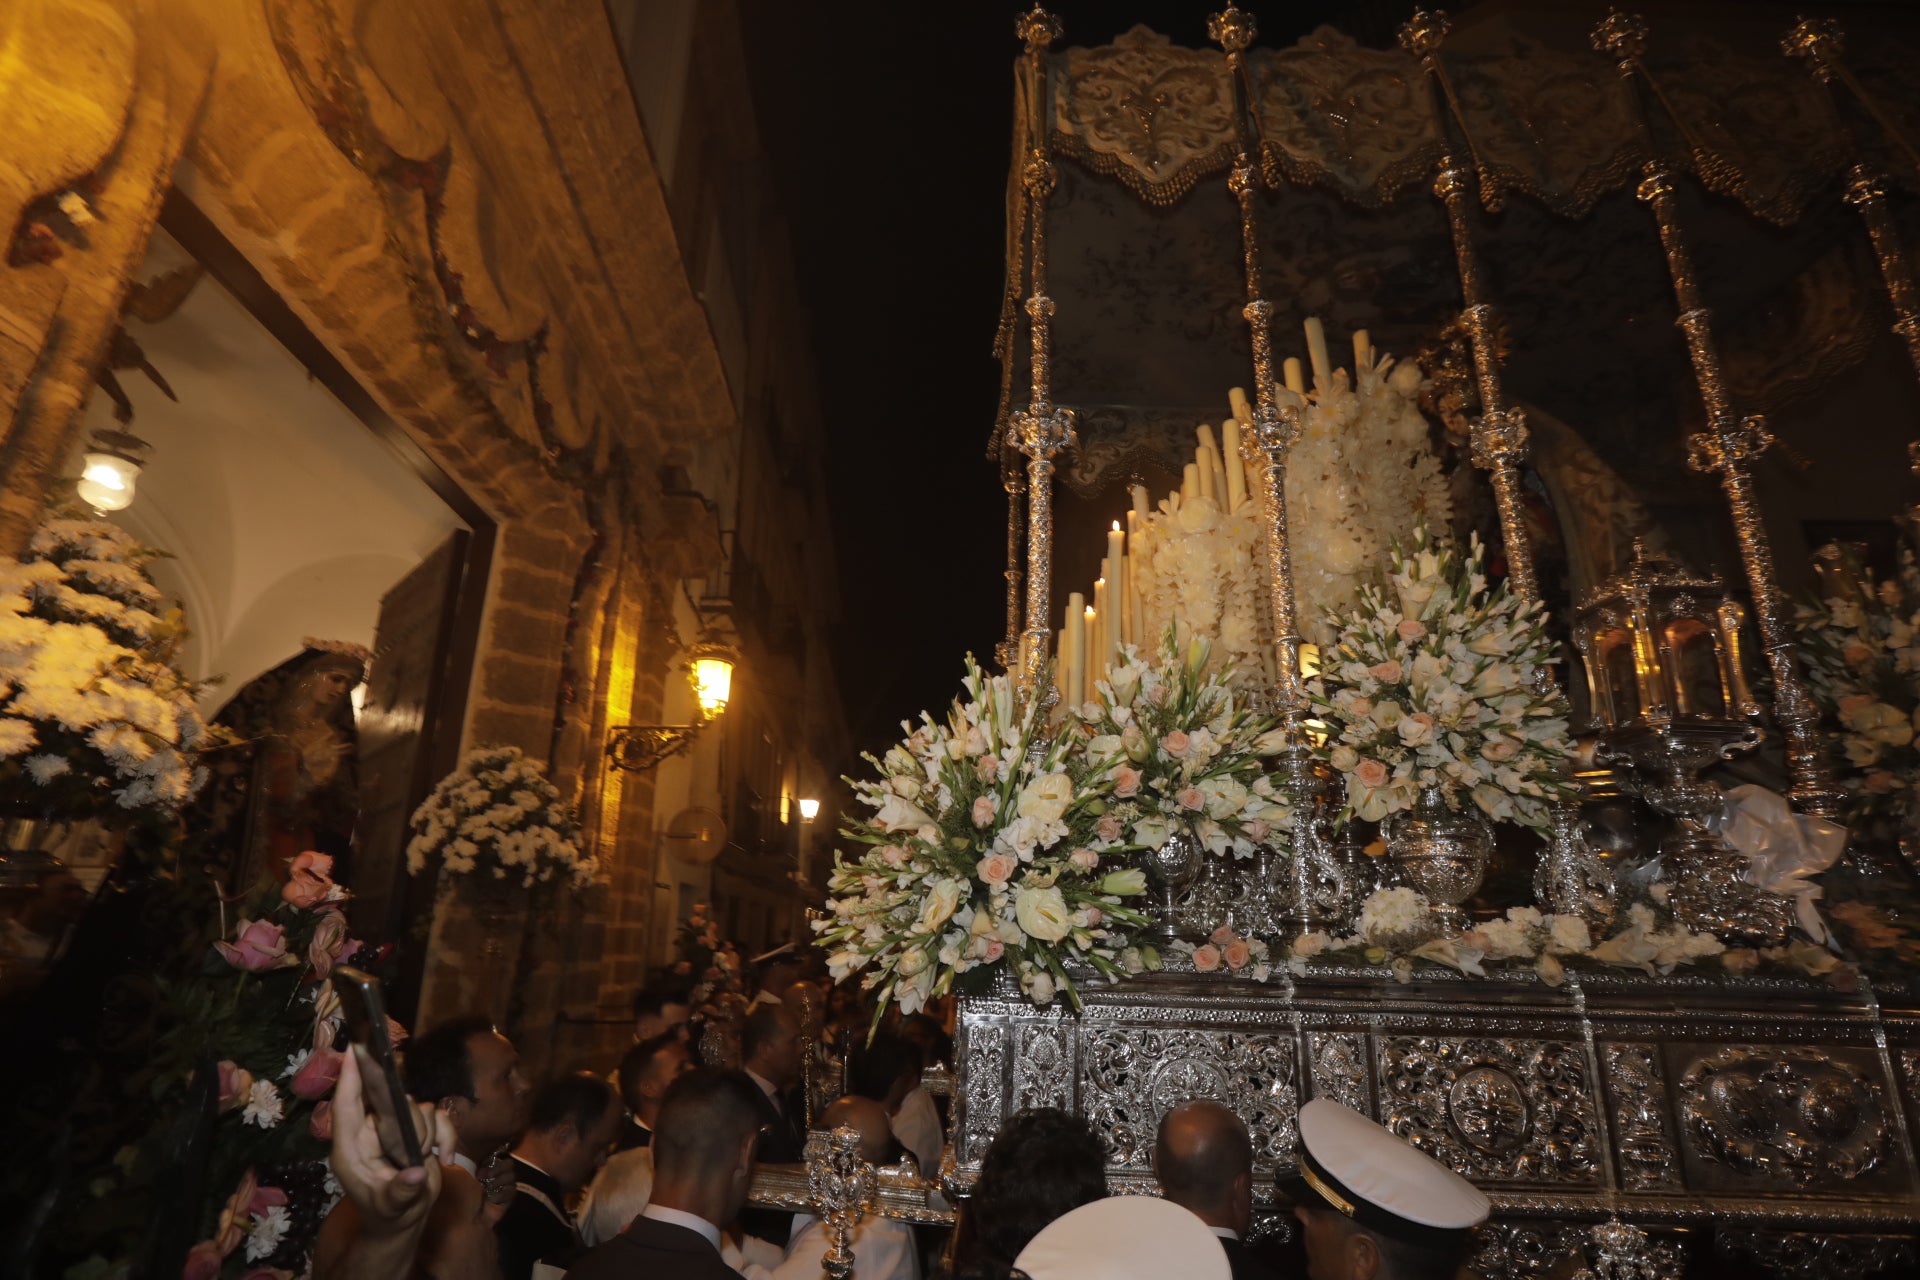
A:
{"x": 647, "y": 1173}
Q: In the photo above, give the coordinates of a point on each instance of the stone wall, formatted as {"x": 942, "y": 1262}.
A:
{"x": 460, "y": 202}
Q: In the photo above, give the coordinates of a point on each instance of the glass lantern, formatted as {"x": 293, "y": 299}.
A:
{"x": 1661, "y": 645}
{"x": 1669, "y": 697}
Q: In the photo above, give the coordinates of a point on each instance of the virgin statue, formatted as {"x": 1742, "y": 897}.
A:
{"x": 293, "y": 782}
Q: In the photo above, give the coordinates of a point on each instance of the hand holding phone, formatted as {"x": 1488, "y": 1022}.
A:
{"x": 364, "y": 1007}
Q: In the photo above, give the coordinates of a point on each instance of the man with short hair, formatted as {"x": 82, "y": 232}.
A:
{"x": 622, "y": 1188}
{"x": 472, "y": 1072}
{"x": 771, "y": 1049}
{"x": 569, "y": 1132}
{"x": 888, "y": 1070}
{"x": 703, "y": 1152}
{"x": 660, "y": 1007}
{"x": 777, "y": 970}
{"x": 883, "y": 1249}
{"x": 1203, "y": 1158}
{"x": 644, "y": 1074}
{"x": 1374, "y": 1207}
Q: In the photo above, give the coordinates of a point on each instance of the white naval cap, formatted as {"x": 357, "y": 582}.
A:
{"x": 1125, "y": 1238}
{"x": 1353, "y": 1166}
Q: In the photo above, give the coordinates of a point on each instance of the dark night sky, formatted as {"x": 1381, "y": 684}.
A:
{"x": 887, "y": 129}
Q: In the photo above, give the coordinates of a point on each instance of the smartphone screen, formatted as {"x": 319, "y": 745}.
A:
{"x": 363, "y": 1006}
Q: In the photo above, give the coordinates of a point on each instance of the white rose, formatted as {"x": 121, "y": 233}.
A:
{"x": 1040, "y": 987}
{"x": 1046, "y": 798}
{"x": 913, "y": 960}
{"x": 1042, "y": 913}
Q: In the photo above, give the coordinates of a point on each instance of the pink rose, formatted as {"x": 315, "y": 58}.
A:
{"x": 329, "y": 940}
{"x": 1191, "y": 798}
{"x": 1176, "y": 743}
{"x": 1387, "y": 672}
{"x": 1223, "y": 935}
{"x": 1206, "y": 959}
{"x": 1238, "y": 954}
{"x": 320, "y": 1123}
{"x": 995, "y": 949}
{"x": 983, "y": 810}
{"x": 996, "y": 868}
{"x": 1359, "y": 707}
{"x": 1371, "y": 773}
{"x": 1853, "y": 704}
{"x": 316, "y": 1078}
{"x": 257, "y": 945}
{"x": 1094, "y": 916}
{"x": 310, "y": 881}
{"x": 1856, "y": 655}
{"x": 1108, "y": 828}
{"x": 1126, "y": 782}
{"x": 987, "y": 769}
{"x": 1084, "y": 859}
{"x": 1257, "y": 830}
{"x": 235, "y": 1083}
{"x": 1411, "y": 629}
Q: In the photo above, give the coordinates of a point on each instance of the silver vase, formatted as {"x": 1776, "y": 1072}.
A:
{"x": 1442, "y": 854}
{"x": 1170, "y": 869}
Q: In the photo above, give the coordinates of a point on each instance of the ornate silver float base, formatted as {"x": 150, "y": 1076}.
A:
{"x": 1704, "y": 1106}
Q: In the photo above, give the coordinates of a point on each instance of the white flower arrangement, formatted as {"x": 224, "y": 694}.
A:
{"x": 1434, "y": 682}
{"x": 96, "y": 719}
{"x": 1200, "y": 572}
{"x": 265, "y": 1107}
{"x": 496, "y": 817}
{"x": 980, "y": 853}
{"x": 1182, "y": 754}
{"x": 1394, "y": 928}
{"x": 1362, "y": 474}
{"x": 1862, "y": 649}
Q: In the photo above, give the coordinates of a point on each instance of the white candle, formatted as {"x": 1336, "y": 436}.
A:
{"x": 1203, "y": 466}
{"x": 1362, "y": 352}
{"x": 1296, "y": 379}
{"x": 1074, "y": 674}
{"x": 1086, "y": 667}
{"x": 1236, "y": 466}
{"x": 1189, "y": 483}
{"x": 1140, "y": 507}
{"x": 1125, "y": 607}
{"x": 1116, "y": 576}
{"x": 1242, "y": 411}
{"x": 1317, "y": 353}
{"x": 1100, "y": 643}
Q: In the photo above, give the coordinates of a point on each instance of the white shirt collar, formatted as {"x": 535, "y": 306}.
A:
{"x": 1226, "y": 1233}
{"x": 680, "y": 1218}
{"x": 766, "y": 1085}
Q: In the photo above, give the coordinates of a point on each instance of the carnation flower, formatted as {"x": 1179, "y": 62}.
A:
{"x": 264, "y": 1107}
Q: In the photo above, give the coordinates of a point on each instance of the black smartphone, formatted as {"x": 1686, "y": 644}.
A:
{"x": 364, "y": 1006}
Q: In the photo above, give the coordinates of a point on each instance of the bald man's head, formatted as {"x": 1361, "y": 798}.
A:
{"x": 1204, "y": 1160}
{"x": 867, "y": 1116}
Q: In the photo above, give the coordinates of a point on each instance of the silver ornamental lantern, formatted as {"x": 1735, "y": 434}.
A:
{"x": 1667, "y": 694}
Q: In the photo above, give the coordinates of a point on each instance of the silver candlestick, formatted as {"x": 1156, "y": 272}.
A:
{"x": 842, "y": 1187}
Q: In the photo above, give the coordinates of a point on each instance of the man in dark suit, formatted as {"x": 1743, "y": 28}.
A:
{"x": 645, "y": 1072}
{"x": 772, "y": 1047}
{"x": 572, "y": 1124}
{"x": 703, "y": 1152}
{"x": 1204, "y": 1161}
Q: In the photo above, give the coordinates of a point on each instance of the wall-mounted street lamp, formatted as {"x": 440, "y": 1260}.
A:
{"x": 709, "y": 670}
{"x": 809, "y": 810}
